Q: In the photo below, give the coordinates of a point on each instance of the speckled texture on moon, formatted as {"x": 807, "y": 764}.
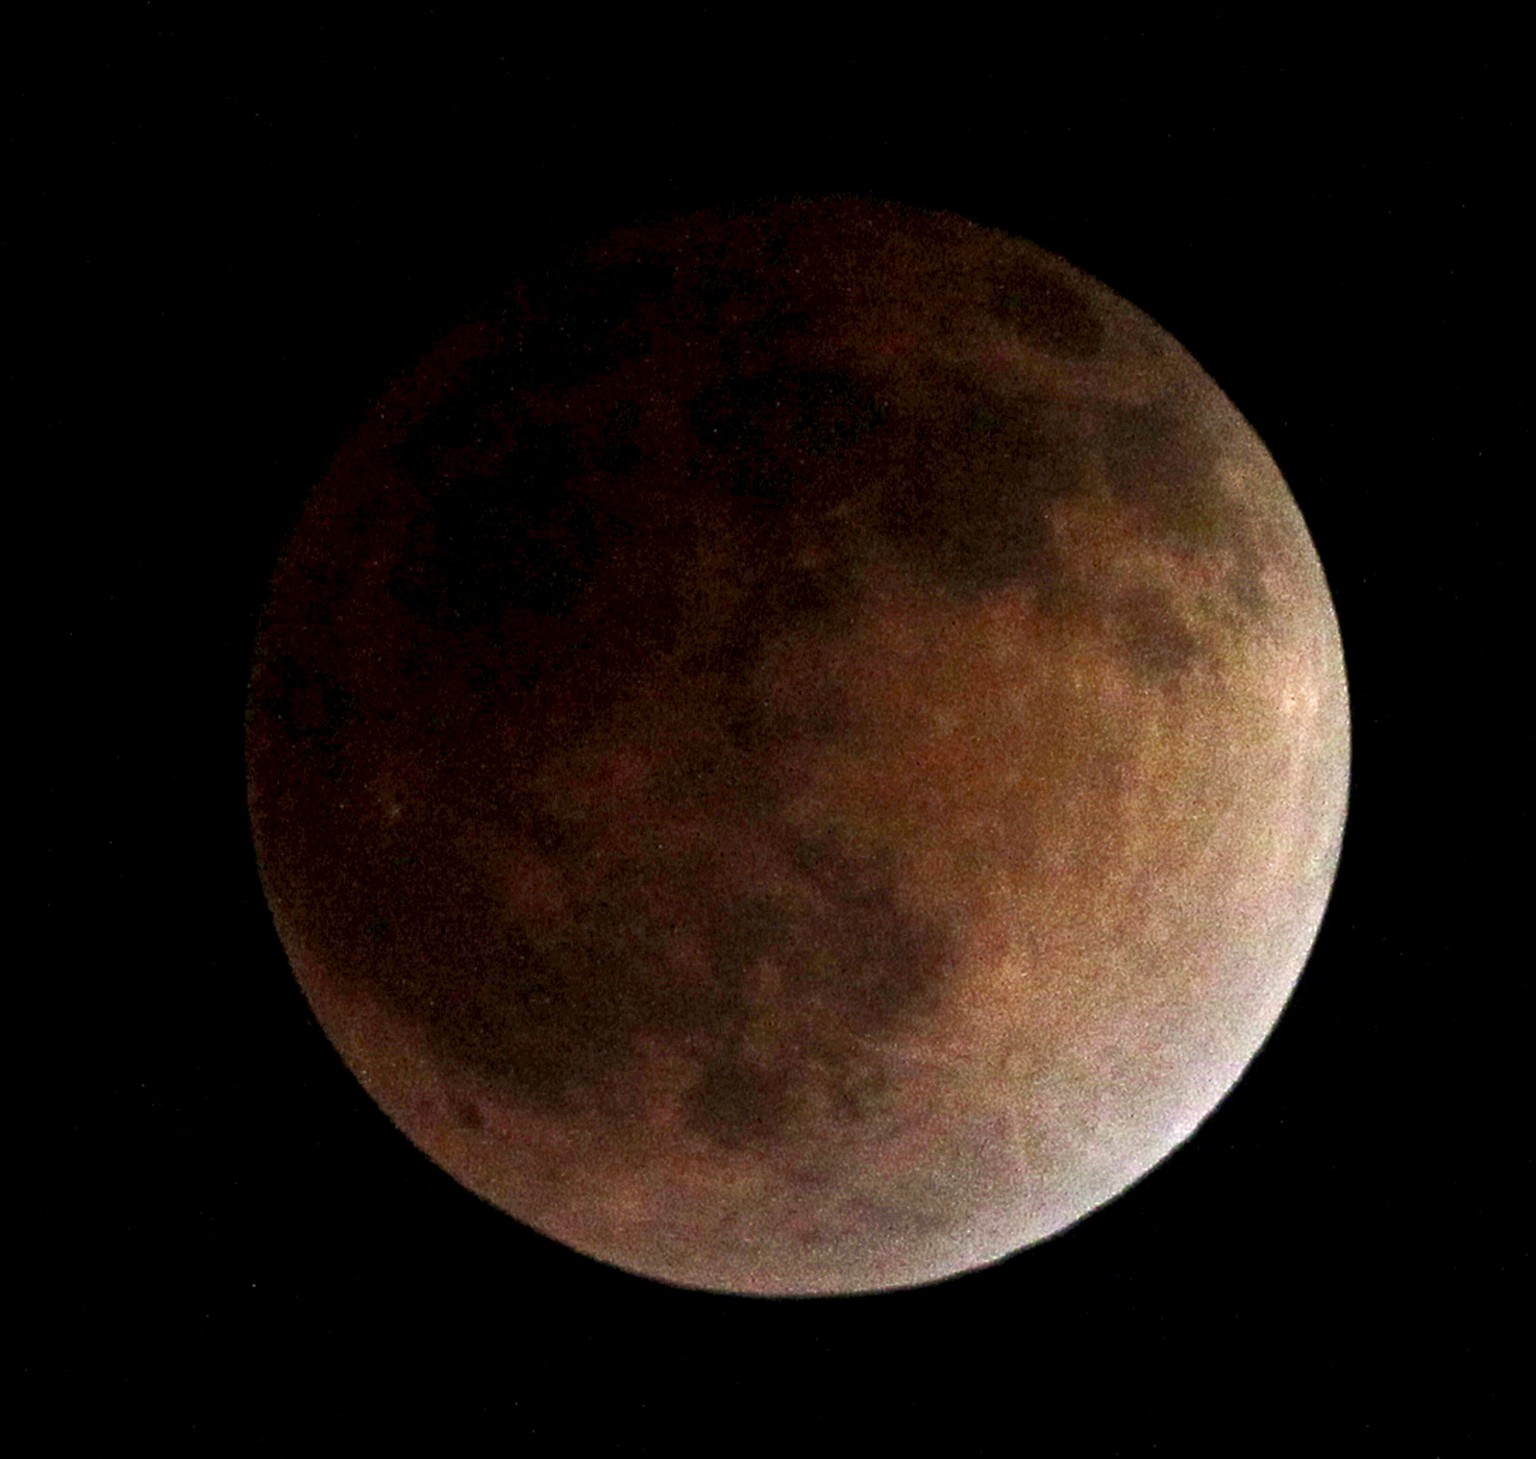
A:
{"x": 802, "y": 753}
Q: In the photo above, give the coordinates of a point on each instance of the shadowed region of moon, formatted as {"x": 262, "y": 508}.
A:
{"x": 802, "y": 752}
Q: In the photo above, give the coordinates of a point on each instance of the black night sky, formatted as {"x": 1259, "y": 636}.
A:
{"x": 229, "y": 237}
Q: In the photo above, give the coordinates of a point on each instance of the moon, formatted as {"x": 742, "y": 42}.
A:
{"x": 802, "y": 750}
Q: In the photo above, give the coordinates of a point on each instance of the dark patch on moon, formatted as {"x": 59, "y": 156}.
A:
{"x": 787, "y": 409}
{"x": 474, "y": 408}
{"x": 1159, "y": 455}
{"x": 1047, "y": 311}
{"x": 467, "y": 1115}
{"x": 1162, "y": 458}
{"x": 768, "y": 430}
{"x": 957, "y": 484}
{"x": 965, "y": 499}
{"x": 311, "y": 707}
{"x": 810, "y": 604}
{"x": 760, "y": 722}
{"x": 551, "y": 1017}
{"x": 514, "y": 536}
{"x": 1158, "y": 646}
{"x": 738, "y": 1102}
{"x": 617, "y": 452}
{"x": 848, "y": 952}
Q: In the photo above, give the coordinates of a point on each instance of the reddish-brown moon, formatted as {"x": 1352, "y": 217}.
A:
{"x": 802, "y": 752}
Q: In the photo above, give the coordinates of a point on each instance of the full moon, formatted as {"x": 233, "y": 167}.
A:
{"x": 802, "y": 750}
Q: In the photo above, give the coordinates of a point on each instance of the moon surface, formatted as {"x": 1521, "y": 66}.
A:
{"x": 802, "y": 751}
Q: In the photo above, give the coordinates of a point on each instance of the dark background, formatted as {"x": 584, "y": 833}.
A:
{"x": 226, "y": 241}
